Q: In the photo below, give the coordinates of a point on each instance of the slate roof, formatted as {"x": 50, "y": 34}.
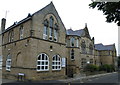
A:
{"x": 80, "y": 32}
{"x": 51, "y": 6}
{"x": 104, "y": 47}
{"x": 18, "y": 23}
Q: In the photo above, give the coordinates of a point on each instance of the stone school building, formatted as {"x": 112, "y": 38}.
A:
{"x": 40, "y": 48}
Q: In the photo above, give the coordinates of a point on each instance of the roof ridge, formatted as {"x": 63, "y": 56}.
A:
{"x": 98, "y": 44}
{"x": 42, "y": 8}
{"x": 109, "y": 45}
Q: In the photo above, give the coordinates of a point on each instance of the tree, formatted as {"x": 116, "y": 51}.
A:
{"x": 110, "y": 9}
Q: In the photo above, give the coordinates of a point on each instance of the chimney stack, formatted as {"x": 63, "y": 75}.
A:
{"x": 3, "y": 23}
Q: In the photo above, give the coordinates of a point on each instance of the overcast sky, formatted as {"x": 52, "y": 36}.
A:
{"x": 74, "y": 14}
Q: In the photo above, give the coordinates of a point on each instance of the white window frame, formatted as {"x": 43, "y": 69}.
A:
{"x": 43, "y": 61}
{"x": 55, "y": 35}
{"x": 8, "y": 63}
{"x": 45, "y": 32}
{"x": 51, "y": 21}
{"x": 57, "y": 62}
{"x": 63, "y": 62}
{"x": 77, "y": 43}
{"x": 50, "y": 34}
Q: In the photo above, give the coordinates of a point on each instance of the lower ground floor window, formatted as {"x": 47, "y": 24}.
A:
{"x": 83, "y": 62}
{"x": 43, "y": 62}
{"x": 56, "y": 62}
{"x": 8, "y": 64}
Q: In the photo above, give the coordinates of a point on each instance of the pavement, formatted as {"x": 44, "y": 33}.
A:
{"x": 82, "y": 79}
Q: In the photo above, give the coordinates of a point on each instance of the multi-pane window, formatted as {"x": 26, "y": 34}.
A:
{"x": 51, "y": 22}
{"x": 77, "y": 45}
{"x": 90, "y": 49}
{"x": 55, "y": 34}
{"x": 91, "y": 61}
{"x": 109, "y": 52}
{"x": 21, "y": 32}
{"x": 45, "y": 30}
{"x": 43, "y": 62}
{"x": 8, "y": 63}
{"x": 10, "y": 36}
{"x": 83, "y": 46}
{"x": 50, "y": 30}
{"x": 72, "y": 54}
{"x": 50, "y": 33}
{"x": 56, "y": 62}
{"x": 83, "y": 62}
{"x": 72, "y": 40}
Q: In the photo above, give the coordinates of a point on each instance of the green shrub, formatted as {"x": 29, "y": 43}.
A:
{"x": 106, "y": 67}
{"x": 91, "y": 67}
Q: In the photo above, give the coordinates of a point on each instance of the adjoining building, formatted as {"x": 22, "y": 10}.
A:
{"x": 80, "y": 50}
{"x": 40, "y": 48}
{"x": 107, "y": 54}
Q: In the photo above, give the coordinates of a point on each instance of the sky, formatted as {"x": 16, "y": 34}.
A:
{"x": 74, "y": 14}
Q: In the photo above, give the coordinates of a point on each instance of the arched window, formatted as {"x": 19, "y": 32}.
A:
{"x": 51, "y": 22}
{"x": 10, "y": 36}
{"x": 56, "y": 62}
{"x": 55, "y": 32}
{"x": 21, "y": 32}
{"x": 77, "y": 43}
{"x": 8, "y": 63}
{"x": 50, "y": 30}
{"x": 45, "y": 30}
{"x": 72, "y": 40}
{"x": 43, "y": 62}
{"x": 72, "y": 54}
{"x": 83, "y": 46}
{"x": 91, "y": 49}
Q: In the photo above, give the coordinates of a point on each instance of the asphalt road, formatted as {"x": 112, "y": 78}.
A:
{"x": 110, "y": 78}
